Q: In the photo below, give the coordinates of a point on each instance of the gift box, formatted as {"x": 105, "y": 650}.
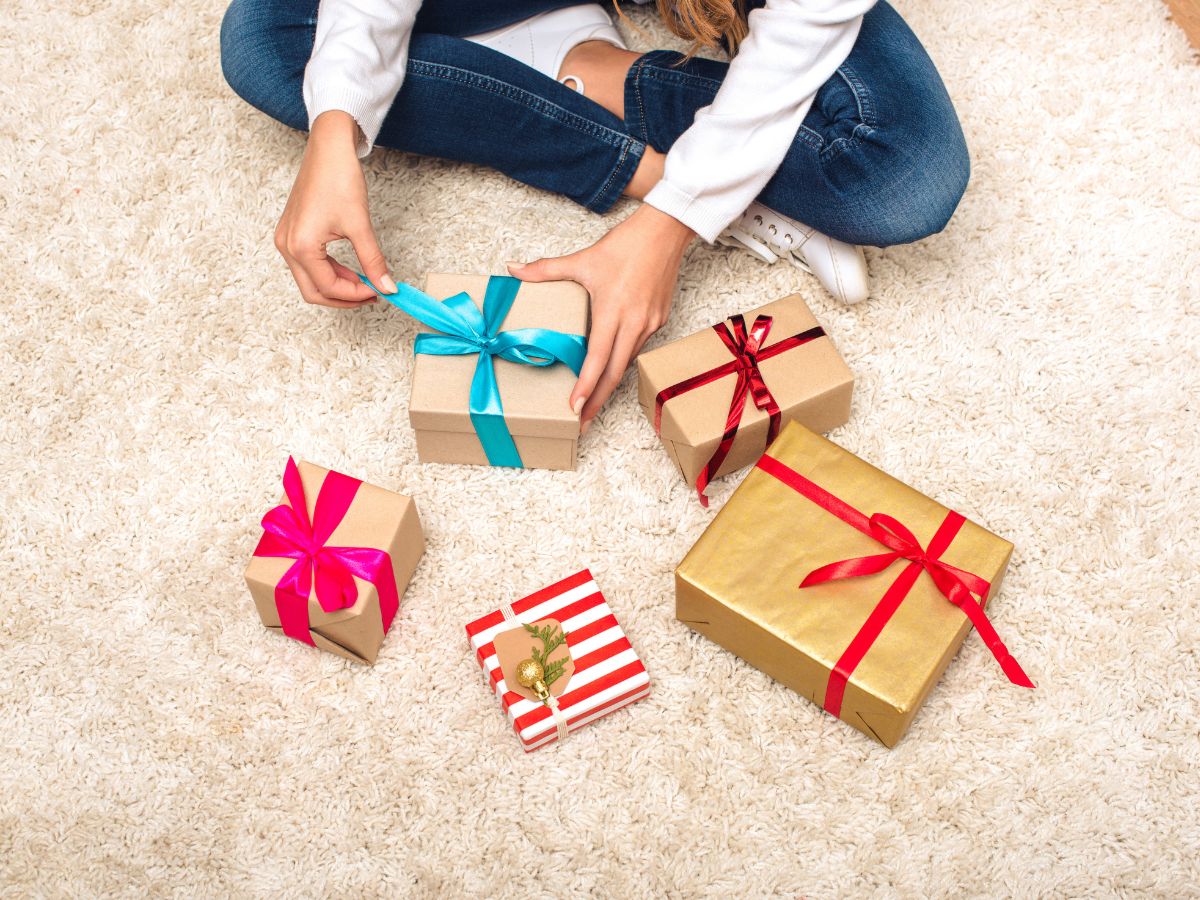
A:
{"x": 844, "y": 584}
{"x": 495, "y": 364}
{"x": 334, "y": 559}
{"x": 719, "y": 396}
{"x": 587, "y": 667}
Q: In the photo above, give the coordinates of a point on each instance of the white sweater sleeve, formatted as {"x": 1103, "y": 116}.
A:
{"x": 734, "y": 146}
{"x": 358, "y": 61}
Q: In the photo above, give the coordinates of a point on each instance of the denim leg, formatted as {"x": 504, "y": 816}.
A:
{"x": 473, "y": 104}
{"x": 265, "y": 45}
{"x": 459, "y": 101}
{"x": 880, "y": 158}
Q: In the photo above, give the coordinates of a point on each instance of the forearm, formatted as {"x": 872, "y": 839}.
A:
{"x": 357, "y": 65}
{"x": 736, "y": 144}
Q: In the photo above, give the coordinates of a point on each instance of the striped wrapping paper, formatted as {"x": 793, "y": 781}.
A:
{"x": 608, "y": 673}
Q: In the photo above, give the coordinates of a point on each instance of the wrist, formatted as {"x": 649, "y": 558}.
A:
{"x": 663, "y": 228}
{"x": 335, "y": 127}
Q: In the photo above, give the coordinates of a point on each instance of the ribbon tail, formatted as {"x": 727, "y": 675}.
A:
{"x": 991, "y": 639}
{"x": 292, "y": 606}
{"x": 849, "y": 568}
{"x": 487, "y": 416}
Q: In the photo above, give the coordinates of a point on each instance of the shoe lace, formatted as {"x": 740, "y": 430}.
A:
{"x": 768, "y": 240}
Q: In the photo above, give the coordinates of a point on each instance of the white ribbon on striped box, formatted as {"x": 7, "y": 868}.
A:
{"x": 608, "y": 673}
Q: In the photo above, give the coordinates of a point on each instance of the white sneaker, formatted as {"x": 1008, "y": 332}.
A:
{"x": 543, "y": 41}
{"x": 840, "y": 267}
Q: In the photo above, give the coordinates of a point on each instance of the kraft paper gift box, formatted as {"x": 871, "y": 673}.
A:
{"x": 601, "y": 672}
{"x": 690, "y": 387}
{"x": 334, "y": 560}
{"x": 535, "y": 399}
{"x": 892, "y": 581}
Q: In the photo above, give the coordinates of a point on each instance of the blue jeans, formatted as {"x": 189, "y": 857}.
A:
{"x": 880, "y": 158}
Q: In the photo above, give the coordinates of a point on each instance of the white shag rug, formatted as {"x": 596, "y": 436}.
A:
{"x": 1036, "y": 366}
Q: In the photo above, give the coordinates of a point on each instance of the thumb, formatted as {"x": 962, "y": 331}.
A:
{"x": 559, "y": 268}
{"x": 370, "y": 257}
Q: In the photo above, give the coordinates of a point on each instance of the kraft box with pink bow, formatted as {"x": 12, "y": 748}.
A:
{"x": 334, "y": 559}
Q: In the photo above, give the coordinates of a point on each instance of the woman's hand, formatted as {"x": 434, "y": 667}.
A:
{"x": 630, "y": 274}
{"x": 328, "y": 203}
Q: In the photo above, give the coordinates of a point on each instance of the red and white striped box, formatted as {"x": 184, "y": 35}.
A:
{"x": 608, "y": 673}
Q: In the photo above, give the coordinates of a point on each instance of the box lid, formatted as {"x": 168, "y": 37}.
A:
{"x": 795, "y": 376}
{"x": 536, "y": 399}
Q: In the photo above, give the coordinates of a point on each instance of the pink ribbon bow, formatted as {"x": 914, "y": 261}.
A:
{"x": 288, "y": 533}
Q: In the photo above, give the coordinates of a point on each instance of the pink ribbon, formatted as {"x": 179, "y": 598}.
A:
{"x": 288, "y": 533}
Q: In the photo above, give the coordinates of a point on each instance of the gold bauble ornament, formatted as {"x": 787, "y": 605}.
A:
{"x": 530, "y": 674}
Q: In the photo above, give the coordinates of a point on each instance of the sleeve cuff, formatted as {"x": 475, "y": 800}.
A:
{"x": 364, "y": 109}
{"x": 703, "y": 218}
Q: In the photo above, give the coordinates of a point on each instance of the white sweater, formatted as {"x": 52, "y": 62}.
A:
{"x": 716, "y": 167}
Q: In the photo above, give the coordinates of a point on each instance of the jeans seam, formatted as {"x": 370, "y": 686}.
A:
{"x": 862, "y": 98}
{"x": 601, "y": 200}
{"x": 635, "y": 78}
{"x": 866, "y": 114}
{"x": 532, "y": 101}
{"x": 666, "y": 73}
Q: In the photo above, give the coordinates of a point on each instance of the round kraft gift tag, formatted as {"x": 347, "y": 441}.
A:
{"x": 519, "y": 643}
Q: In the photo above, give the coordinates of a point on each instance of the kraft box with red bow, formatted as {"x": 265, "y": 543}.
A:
{"x": 334, "y": 559}
{"x": 844, "y": 584}
{"x": 719, "y": 396}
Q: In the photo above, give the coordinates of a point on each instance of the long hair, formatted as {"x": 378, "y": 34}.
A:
{"x": 715, "y": 24}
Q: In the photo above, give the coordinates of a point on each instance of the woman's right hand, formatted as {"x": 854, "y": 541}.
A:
{"x": 329, "y": 203}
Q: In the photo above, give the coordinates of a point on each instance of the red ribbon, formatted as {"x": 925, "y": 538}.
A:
{"x": 957, "y": 585}
{"x": 748, "y": 352}
{"x": 287, "y": 532}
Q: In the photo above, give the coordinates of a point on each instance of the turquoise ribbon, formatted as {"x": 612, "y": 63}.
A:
{"x": 465, "y": 330}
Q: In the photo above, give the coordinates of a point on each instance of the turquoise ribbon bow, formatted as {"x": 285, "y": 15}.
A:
{"x": 465, "y": 330}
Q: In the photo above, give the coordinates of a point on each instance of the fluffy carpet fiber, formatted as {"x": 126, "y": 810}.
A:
{"x": 1036, "y": 366}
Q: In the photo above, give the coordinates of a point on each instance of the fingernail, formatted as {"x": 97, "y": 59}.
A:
{"x": 389, "y": 286}
{"x": 513, "y": 264}
{"x": 577, "y": 405}
{"x": 583, "y": 429}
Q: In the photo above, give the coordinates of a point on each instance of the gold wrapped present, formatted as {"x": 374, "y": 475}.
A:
{"x": 843, "y": 583}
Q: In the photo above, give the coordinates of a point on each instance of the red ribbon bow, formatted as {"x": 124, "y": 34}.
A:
{"x": 957, "y": 585}
{"x": 288, "y": 533}
{"x": 748, "y": 351}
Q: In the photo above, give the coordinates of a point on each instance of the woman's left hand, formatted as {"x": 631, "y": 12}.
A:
{"x": 630, "y": 274}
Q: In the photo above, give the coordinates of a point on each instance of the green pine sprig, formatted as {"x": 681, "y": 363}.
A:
{"x": 551, "y": 637}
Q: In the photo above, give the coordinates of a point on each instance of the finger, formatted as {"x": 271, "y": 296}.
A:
{"x": 624, "y": 347}
{"x": 309, "y": 291}
{"x": 557, "y": 268}
{"x": 600, "y": 344}
{"x": 370, "y": 257}
{"x": 320, "y": 270}
{"x": 368, "y": 295}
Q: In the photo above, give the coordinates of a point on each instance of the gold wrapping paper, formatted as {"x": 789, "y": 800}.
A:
{"x": 377, "y": 518}
{"x": 811, "y": 384}
{"x": 536, "y": 400}
{"x": 739, "y": 585}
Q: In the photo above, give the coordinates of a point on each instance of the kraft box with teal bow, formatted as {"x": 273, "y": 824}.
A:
{"x": 494, "y": 367}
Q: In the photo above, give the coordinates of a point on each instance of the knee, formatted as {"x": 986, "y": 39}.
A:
{"x": 258, "y": 63}
{"x": 921, "y": 201}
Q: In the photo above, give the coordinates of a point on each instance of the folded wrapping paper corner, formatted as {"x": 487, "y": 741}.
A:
{"x": 608, "y": 674}
{"x": 338, "y": 584}
{"x": 466, "y": 330}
